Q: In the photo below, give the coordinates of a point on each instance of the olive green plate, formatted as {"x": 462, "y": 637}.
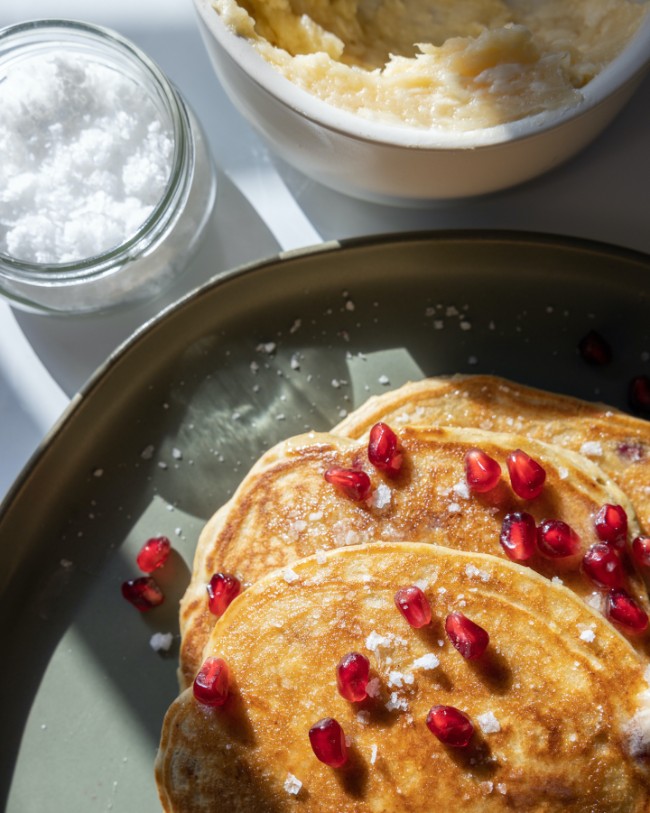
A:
{"x": 162, "y": 434}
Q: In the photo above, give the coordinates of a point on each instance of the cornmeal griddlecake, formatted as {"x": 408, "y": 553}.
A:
{"x": 618, "y": 442}
{"x": 285, "y": 510}
{"x": 556, "y": 700}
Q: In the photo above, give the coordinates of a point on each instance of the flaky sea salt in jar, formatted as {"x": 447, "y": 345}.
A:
{"x": 106, "y": 182}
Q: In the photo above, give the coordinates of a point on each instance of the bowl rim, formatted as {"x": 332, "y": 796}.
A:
{"x": 627, "y": 67}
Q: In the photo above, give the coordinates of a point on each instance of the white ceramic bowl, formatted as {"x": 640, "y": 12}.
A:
{"x": 395, "y": 164}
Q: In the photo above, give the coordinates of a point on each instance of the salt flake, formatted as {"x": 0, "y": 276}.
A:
{"x": 289, "y": 575}
{"x": 292, "y": 785}
{"x": 592, "y": 448}
{"x": 488, "y": 723}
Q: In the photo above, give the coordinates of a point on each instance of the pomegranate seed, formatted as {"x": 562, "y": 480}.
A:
{"x": 352, "y": 674}
{"x": 143, "y": 593}
{"x": 594, "y": 349}
{"x": 526, "y": 475}
{"x": 222, "y": 589}
{"x": 603, "y": 565}
{"x": 327, "y": 740}
{"x": 557, "y": 540}
{"x": 414, "y": 606}
{"x": 383, "y": 450}
{"x": 468, "y": 638}
{"x": 153, "y": 554}
{"x": 641, "y": 551}
{"x": 518, "y": 535}
{"x": 353, "y": 482}
{"x": 611, "y": 525}
{"x": 623, "y": 609}
{"x": 211, "y": 685}
{"x": 482, "y": 471}
{"x": 450, "y": 725}
{"x": 639, "y": 394}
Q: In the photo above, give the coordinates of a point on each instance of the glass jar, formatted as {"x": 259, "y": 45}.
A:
{"x": 151, "y": 253}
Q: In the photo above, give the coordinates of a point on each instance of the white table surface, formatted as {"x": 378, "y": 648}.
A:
{"x": 602, "y": 194}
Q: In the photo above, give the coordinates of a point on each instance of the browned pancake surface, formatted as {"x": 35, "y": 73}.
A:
{"x": 618, "y": 442}
{"x": 554, "y": 700}
{"x": 285, "y": 510}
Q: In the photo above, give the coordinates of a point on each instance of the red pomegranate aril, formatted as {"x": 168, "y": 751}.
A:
{"x": 353, "y": 482}
{"x": 222, "y": 589}
{"x": 624, "y": 610}
{"x": 481, "y": 471}
{"x": 639, "y": 394}
{"x": 327, "y": 740}
{"x": 518, "y": 535}
{"x": 383, "y": 449}
{"x": 594, "y": 349}
{"x": 557, "y": 540}
{"x": 611, "y": 525}
{"x": 526, "y": 475}
{"x": 414, "y": 606}
{"x": 352, "y": 675}
{"x": 153, "y": 554}
{"x": 450, "y": 725}
{"x": 143, "y": 593}
{"x": 469, "y": 638}
{"x": 212, "y": 683}
{"x": 641, "y": 551}
{"x": 602, "y": 564}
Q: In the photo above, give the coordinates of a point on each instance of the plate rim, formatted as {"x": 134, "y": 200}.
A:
{"x": 140, "y": 334}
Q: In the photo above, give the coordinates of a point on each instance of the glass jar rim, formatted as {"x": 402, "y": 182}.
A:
{"x": 112, "y": 258}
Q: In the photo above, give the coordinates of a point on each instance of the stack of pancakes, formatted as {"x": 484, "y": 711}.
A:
{"x": 560, "y": 700}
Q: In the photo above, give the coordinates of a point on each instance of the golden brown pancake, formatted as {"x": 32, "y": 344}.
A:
{"x": 617, "y": 442}
{"x": 556, "y": 700}
{"x": 285, "y": 510}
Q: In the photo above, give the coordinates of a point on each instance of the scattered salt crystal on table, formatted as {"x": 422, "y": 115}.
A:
{"x": 161, "y": 641}
{"x": 85, "y": 158}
